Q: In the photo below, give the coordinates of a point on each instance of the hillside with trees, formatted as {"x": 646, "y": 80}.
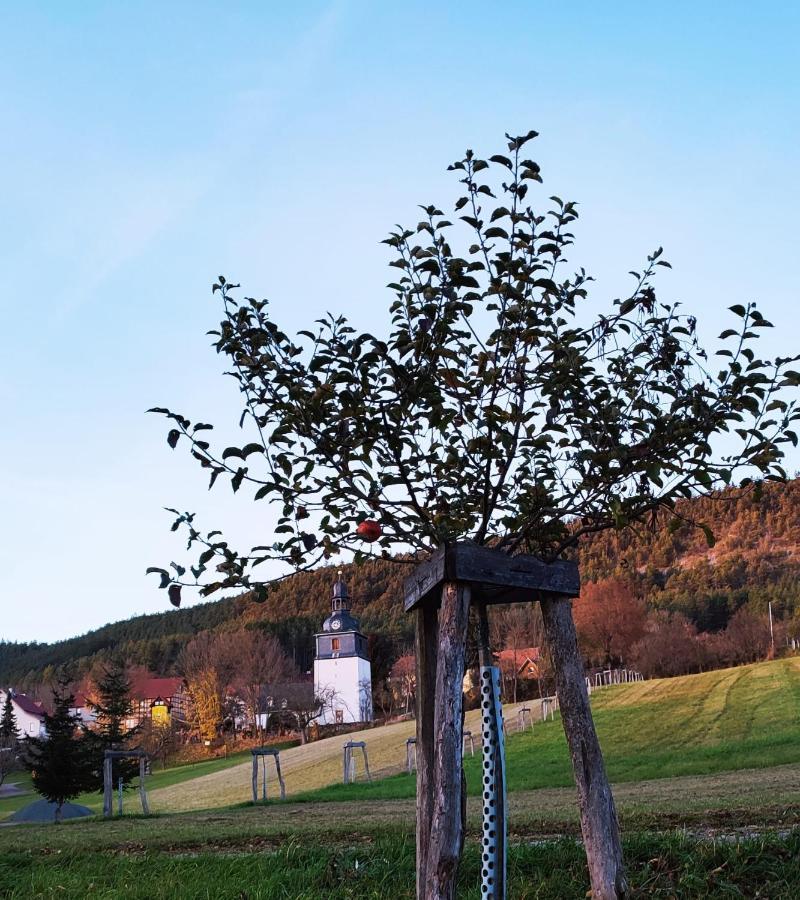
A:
{"x": 747, "y": 555}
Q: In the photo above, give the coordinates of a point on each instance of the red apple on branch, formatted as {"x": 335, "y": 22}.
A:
{"x": 368, "y": 530}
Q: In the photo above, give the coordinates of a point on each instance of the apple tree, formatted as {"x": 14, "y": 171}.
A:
{"x": 504, "y": 404}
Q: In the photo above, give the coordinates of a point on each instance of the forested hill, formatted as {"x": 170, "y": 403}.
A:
{"x": 755, "y": 559}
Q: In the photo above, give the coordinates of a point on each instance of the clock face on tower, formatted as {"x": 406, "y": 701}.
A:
{"x": 336, "y": 624}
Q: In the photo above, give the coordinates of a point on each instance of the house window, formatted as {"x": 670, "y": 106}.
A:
{"x": 335, "y": 645}
{"x": 339, "y": 715}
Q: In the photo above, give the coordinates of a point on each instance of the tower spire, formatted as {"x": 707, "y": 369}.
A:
{"x": 340, "y": 599}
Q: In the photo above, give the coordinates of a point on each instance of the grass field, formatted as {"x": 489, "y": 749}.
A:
{"x": 156, "y": 781}
{"x": 659, "y": 866}
{"x": 707, "y": 784}
{"x": 719, "y": 721}
{"x": 729, "y": 835}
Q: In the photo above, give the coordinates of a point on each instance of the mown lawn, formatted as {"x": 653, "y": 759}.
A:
{"x": 659, "y": 866}
{"x": 747, "y": 717}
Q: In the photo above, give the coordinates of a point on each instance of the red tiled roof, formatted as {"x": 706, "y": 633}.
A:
{"x": 150, "y": 688}
{"x": 32, "y": 707}
{"x": 520, "y": 655}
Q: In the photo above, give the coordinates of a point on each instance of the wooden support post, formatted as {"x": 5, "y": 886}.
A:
{"x": 468, "y": 737}
{"x": 108, "y": 787}
{"x": 447, "y": 821}
{"x": 598, "y": 815}
{"x": 254, "y": 778}
{"x": 366, "y": 762}
{"x": 281, "y": 784}
{"x": 411, "y": 755}
{"x": 142, "y": 791}
{"x": 426, "y": 643}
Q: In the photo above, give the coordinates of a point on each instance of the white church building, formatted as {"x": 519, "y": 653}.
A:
{"x": 342, "y": 673}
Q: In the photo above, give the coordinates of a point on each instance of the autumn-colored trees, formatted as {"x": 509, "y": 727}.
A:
{"x": 609, "y": 619}
{"x": 226, "y": 664}
{"x": 616, "y": 628}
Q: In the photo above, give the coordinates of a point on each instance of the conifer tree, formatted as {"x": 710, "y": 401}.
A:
{"x": 58, "y": 761}
{"x": 8, "y": 723}
{"x": 112, "y": 708}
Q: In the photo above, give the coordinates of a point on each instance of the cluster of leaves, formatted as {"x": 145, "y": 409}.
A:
{"x": 499, "y": 408}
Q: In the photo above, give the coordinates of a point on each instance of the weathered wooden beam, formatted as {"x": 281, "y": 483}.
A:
{"x": 447, "y": 821}
{"x": 598, "y": 815}
{"x": 280, "y": 777}
{"x": 142, "y": 791}
{"x": 493, "y": 577}
{"x": 426, "y": 644}
{"x": 108, "y": 787}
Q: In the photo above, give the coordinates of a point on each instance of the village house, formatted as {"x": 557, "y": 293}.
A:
{"x": 522, "y": 662}
{"x": 162, "y": 701}
{"x": 28, "y": 713}
{"x": 83, "y": 709}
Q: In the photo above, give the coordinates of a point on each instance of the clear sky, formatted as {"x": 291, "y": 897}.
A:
{"x": 147, "y": 147}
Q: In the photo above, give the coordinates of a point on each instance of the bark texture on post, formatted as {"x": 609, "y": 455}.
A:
{"x": 426, "y": 640}
{"x": 142, "y": 791}
{"x": 598, "y": 814}
{"x": 107, "y": 787}
{"x": 447, "y": 821}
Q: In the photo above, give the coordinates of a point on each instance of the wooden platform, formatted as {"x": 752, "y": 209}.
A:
{"x": 494, "y": 577}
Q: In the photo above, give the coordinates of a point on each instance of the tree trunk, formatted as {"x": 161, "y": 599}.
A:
{"x": 598, "y": 815}
{"x": 447, "y": 819}
{"x": 57, "y": 816}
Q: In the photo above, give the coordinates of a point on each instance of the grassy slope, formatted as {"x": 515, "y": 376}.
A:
{"x": 748, "y": 717}
{"x": 159, "y": 779}
{"x": 701, "y": 724}
{"x": 304, "y": 768}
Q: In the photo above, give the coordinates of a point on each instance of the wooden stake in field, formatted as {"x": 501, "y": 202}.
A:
{"x": 262, "y": 753}
{"x": 440, "y": 592}
{"x": 349, "y": 761}
{"x": 108, "y": 780}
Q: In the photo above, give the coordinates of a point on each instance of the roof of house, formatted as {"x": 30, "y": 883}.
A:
{"x": 520, "y": 655}
{"x": 150, "y": 688}
{"x": 27, "y": 705}
{"x": 295, "y": 693}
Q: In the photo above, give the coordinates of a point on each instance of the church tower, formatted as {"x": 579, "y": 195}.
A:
{"x": 342, "y": 673}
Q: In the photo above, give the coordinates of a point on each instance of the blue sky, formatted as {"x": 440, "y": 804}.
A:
{"x": 143, "y": 151}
